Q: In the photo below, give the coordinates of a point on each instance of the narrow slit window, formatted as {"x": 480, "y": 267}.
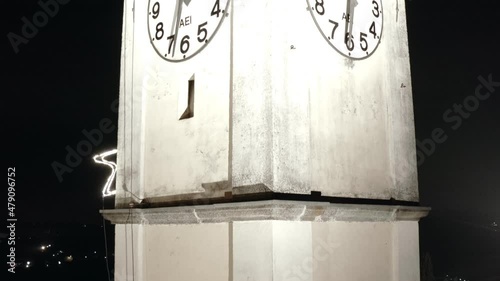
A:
{"x": 189, "y": 112}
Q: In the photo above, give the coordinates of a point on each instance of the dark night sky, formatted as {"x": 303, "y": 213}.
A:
{"x": 66, "y": 77}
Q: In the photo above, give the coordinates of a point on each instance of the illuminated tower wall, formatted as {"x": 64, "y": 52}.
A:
{"x": 268, "y": 155}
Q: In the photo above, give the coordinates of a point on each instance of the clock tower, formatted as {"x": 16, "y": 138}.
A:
{"x": 266, "y": 140}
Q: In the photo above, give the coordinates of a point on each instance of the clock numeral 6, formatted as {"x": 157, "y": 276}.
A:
{"x": 156, "y": 10}
{"x": 203, "y": 30}
{"x": 185, "y": 44}
{"x": 375, "y": 11}
{"x": 349, "y": 42}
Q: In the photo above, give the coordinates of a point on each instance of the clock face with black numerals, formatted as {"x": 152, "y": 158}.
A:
{"x": 180, "y": 29}
{"x": 352, "y": 27}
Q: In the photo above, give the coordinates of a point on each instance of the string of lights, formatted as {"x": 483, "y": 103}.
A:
{"x": 101, "y": 160}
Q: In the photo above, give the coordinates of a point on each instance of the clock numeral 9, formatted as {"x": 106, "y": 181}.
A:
{"x": 156, "y": 10}
{"x": 375, "y": 11}
{"x": 202, "y": 30}
{"x": 320, "y": 9}
{"x": 159, "y": 31}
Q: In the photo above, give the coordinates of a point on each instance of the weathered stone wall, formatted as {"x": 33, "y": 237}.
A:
{"x": 274, "y": 104}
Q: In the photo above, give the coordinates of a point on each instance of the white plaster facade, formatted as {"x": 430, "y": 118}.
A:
{"x": 269, "y": 251}
{"x": 296, "y": 119}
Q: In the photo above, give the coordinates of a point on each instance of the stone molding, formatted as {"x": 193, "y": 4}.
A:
{"x": 266, "y": 210}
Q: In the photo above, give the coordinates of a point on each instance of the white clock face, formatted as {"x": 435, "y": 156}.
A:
{"x": 180, "y": 29}
{"x": 352, "y": 27}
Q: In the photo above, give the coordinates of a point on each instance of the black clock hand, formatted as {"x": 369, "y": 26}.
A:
{"x": 347, "y": 12}
{"x": 174, "y": 18}
{"x": 178, "y": 19}
{"x": 351, "y": 16}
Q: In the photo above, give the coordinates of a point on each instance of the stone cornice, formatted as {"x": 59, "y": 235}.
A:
{"x": 266, "y": 210}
